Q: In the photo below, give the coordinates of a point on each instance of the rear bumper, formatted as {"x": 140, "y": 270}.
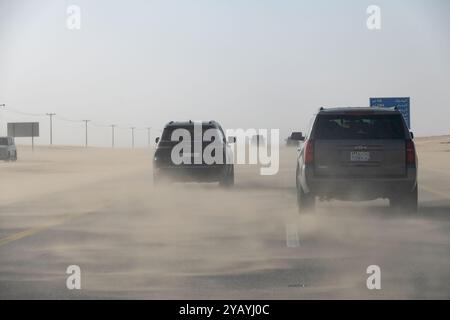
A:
{"x": 362, "y": 188}
{"x": 192, "y": 173}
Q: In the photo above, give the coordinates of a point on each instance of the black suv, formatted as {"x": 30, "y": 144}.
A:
{"x": 194, "y": 151}
{"x": 358, "y": 154}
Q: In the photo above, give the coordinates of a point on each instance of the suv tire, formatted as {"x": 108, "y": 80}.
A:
{"x": 407, "y": 202}
{"x": 305, "y": 201}
{"x": 228, "y": 180}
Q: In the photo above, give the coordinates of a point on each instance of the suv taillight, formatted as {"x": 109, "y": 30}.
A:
{"x": 410, "y": 152}
{"x": 309, "y": 152}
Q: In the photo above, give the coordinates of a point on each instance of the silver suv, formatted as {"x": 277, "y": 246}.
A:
{"x": 8, "y": 151}
{"x": 358, "y": 154}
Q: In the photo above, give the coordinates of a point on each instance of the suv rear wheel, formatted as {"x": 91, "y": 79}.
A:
{"x": 407, "y": 202}
{"x": 228, "y": 180}
{"x": 305, "y": 201}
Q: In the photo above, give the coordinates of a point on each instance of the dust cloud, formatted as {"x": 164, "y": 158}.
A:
{"x": 98, "y": 208}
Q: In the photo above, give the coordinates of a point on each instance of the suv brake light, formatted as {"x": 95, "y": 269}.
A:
{"x": 309, "y": 152}
{"x": 410, "y": 152}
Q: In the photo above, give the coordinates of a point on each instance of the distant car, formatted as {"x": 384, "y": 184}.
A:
{"x": 8, "y": 151}
{"x": 358, "y": 154}
{"x": 196, "y": 168}
{"x": 294, "y": 139}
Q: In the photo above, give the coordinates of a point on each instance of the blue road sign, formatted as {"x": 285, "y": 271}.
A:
{"x": 402, "y": 105}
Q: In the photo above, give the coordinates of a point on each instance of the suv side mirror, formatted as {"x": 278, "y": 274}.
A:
{"x": 297, "y": 136}
{"x": 157, "y": 140}
{"x": 231, "y": 139}
{"x": 412, "y": 134}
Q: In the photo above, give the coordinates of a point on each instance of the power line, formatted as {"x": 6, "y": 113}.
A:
{"x": 94, "y": 124}
{"x": 68, "y": 120}
{"x": 25, "y": 113}
{"x": 85, "y": 121}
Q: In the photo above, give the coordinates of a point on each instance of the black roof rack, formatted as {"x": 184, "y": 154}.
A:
{"x": 190, "y": 122}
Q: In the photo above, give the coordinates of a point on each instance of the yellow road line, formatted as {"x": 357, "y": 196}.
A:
{"x": 32, "y": 231}
{"x": 20, "y": 235}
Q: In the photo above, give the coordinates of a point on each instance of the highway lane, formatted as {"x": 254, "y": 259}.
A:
{"x": 199, "y": 241}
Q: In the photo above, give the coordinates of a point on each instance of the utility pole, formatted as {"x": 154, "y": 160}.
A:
{"x": 113, "y": 126}
{"x": 4, "y": 106}
{"x": 86, "y": 126}
{"x": 132, "y": 136}
{"x": 148, "y": 130}
{"x": 51, "y": 126}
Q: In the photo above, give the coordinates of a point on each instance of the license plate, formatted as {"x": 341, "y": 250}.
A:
{"x": 359, "y": 156}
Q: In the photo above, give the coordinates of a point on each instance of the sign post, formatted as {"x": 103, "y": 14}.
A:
{"x": 24, "y": 129}
{"x": 402, "y": 104}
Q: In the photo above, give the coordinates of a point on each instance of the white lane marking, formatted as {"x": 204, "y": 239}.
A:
{"x": 292, "y": 238}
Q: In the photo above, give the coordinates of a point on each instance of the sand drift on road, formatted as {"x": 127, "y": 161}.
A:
{"x": 98, "y": 209}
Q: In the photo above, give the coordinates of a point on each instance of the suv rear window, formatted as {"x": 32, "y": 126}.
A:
{"x": 4, "y": 142}
{"x": 347, "y": 126}
{"x": 167, "y": 133}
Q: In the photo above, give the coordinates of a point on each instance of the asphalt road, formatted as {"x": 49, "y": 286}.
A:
{"x": 99, "y": 210}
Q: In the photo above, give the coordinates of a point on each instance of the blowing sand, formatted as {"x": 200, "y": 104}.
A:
{"x": 97, "y": 208}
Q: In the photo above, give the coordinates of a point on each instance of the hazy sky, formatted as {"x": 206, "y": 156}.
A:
{"x": 246, "y": 63}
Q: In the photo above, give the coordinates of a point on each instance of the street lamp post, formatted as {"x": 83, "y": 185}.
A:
{"x": 86, "y": 127}
{"x": 51, "y": 126}
{"x": 3, "y": 106}
{"x": 148, "y": 136}
{"x": 132, "y": 136}
{"x": 113, "y": 126}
